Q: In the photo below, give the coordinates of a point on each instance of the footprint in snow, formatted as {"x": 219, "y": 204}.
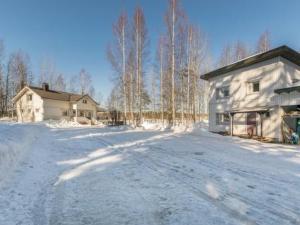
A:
{"x": 251, "y": 186}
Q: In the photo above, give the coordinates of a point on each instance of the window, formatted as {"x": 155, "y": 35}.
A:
{"x": 253, "y": 87}
{"x": 29, "y": 110}
{"x": 81, "y": 113}
{"x": 65, "y": 113}
{"x": 222, "y": 118}
{"x": 222, "y": 92}
{"x": 29, "y": 97}
{"x": 84, "y": 101}
{"x": 37, "y": 110}
{"x": 256, "y": 87}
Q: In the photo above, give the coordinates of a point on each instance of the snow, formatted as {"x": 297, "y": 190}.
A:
{"x": 67, "y": 124}
{"x": 69, "y": 174}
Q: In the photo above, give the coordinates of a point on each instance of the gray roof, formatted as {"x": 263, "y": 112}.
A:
{"x": 283, "y": 51}
{"x": 56, "y": 95}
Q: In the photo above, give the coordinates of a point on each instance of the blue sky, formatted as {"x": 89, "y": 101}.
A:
{"x": 75, "y": 33}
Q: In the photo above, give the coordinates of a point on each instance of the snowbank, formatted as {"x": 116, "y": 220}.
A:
{"x": 68, "y": 124}
{"x": 197, "y": 128}
{"x": 6, "y": 119}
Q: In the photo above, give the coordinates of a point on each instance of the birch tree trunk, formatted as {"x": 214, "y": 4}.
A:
{"x": 124, "y": 71}
{"x": 173, "y": 62}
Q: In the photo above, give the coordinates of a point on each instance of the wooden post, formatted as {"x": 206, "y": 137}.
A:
{"x": 231, "y": 123}
{"x": 261, "y": 124}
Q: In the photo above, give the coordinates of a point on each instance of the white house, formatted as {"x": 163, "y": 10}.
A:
{"x": 35, "y": 104}
{"x": 257, "y": 96}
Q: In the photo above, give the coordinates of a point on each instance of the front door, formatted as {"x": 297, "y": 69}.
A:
{"x": 251, "y": 124}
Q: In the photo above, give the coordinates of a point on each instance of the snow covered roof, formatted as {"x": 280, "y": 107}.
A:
{"x": 283, "y": 51}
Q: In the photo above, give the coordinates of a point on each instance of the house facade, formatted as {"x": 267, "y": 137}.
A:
{"x": 257, "y": 96}
{"x": 34, "y": 104}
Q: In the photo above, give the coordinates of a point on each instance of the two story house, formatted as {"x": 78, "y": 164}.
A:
{"x": 35, "y": 104}
{"x": 257, "y": 96}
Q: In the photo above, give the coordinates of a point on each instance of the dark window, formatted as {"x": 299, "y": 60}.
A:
{"x": 222, "y": 118}
{"x": 29, "y": 97}
{"x": 256, "y": 87}
{"x": 223, "y": 92}
{"x": 84, "y": 101}
{"x": 65, "y": 113}
{"x": 253, "y": 87}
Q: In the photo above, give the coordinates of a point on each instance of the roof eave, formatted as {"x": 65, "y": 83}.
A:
{"x": 283, "y": 51}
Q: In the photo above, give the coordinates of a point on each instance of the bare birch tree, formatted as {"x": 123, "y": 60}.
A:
{"x": 171, "y": 20}
{"x": 240, "y": 51}
{"x": 160, "y": 56}
{"x": 84, "y": 81}
{"x": 60, "y": 84}
{"x": 48, "y": 73}
{"x": 264, "y": 42}
{"x": 227, "y": 56}
{"x": 2, "y": 79}
{"x": 140, "y": 40}
{"x": 117, "y": 54}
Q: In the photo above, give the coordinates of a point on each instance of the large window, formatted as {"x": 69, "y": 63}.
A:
{"x": 253, "y": 87}
{"x": 222, "y": 118}
{"x": 222, "y": 92}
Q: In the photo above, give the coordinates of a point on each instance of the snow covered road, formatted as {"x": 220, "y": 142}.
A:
{"x": 113, "y": 176}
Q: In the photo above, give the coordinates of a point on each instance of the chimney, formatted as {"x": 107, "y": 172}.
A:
{"x": 45, "y": 86}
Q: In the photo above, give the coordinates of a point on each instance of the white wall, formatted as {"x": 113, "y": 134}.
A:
{"x": 53, "y": 109}
{"x": 89, "y": 106}
{"x": 32, "y": 110}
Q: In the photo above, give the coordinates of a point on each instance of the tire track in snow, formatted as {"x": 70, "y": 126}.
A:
{"x": 154, "y": 166}
{"x": 292, "y": 219}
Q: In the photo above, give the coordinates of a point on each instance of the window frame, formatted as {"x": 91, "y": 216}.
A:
{"x": 251, "y": 87}
{"x": 223, "y": 89}
{"x": 220, "y": 118}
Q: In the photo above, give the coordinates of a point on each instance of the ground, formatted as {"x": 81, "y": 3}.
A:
{"x": 113, "y": 176}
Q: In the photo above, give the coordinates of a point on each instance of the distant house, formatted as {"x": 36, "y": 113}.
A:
{"x": 257, "y": 96}
{"x": 35, "y": 104}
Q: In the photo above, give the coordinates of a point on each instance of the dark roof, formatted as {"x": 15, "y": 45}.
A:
{"x": 56, "y": 95}
{"x": 287, "y": 89}
{"x": 283, "y": 51}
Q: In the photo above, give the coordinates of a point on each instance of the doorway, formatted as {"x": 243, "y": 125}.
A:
{"x": 251, "y": 124}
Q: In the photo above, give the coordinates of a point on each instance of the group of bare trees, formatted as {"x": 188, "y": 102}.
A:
{"x": 79, "y": 83}
{"x": 182, "y": 55}
{"x": 15, "y": 72}
{"x": 180, "y": 59}
{"x": 127, "y": 55}
{"x": 239, "y": 50}
{"x": 177, "y": 94}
